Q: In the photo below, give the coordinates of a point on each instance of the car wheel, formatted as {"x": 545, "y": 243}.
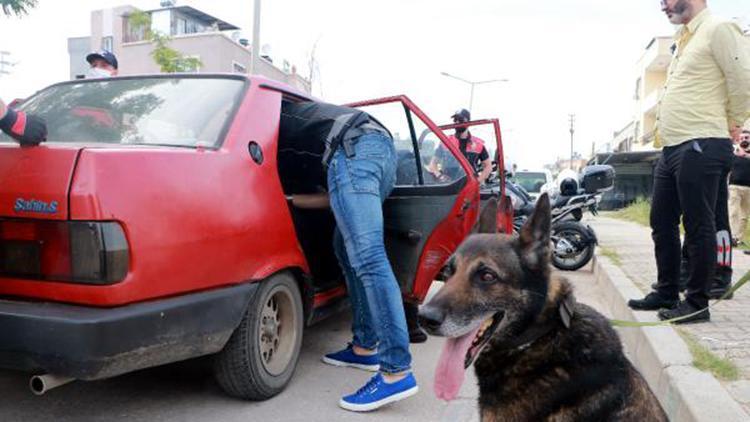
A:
{"x": 259, "y": 359}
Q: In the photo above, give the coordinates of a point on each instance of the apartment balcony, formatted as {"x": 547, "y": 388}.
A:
{"x": 649, "y": 104}
{"x": 657, "y": 56}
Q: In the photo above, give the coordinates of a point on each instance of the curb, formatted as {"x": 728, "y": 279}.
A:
{"x": 659, "y": 353}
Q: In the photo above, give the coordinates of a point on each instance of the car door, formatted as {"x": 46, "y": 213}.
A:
{"x": 488, "y": 130}
{"x": 426, "y": 216}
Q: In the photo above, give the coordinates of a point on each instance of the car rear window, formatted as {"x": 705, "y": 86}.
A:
{"x": 175, "y": 111}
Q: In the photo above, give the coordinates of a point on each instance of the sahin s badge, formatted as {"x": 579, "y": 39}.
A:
{"x": 34, "y": 205}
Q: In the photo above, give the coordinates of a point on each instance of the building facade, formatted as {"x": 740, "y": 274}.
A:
{"x": 193, "y": 33}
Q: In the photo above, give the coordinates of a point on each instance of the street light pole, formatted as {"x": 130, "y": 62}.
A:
{"x": 472, "y": 84}
{"x": 572, "y": 118}
{"x": 256, "y": 38}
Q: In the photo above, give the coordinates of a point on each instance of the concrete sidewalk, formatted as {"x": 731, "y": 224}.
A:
{"x": 728, "y": 333}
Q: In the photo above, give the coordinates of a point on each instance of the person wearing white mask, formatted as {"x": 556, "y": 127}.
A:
{"x": 103, "y": 65}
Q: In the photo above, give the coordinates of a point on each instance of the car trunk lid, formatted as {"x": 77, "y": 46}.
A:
{"x": 35, "y": 181}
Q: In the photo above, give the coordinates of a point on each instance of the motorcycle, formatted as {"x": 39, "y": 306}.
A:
{"x": 573, "y": 241}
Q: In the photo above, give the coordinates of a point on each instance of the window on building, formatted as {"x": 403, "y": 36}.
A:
{"x": 238, "y": 68}
{"x": 637, "y": 95}
{"x": 107, "y": 43}
{"x": 181, "y": 26}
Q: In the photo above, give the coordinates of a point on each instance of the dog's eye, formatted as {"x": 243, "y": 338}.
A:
{"x": 487, "y": 276}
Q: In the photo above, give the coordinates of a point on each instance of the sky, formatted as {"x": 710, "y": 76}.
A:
{"x": 559, "y": 56}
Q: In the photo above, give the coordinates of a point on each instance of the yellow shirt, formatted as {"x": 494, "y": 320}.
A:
{"x": 708, "y": 84}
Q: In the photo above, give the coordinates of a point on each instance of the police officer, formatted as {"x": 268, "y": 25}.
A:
{"x": 472, "y": 147}
{"x": 25, "y": 128}
{"x": 360, "y": 159}
{"x": 103, "y": 65}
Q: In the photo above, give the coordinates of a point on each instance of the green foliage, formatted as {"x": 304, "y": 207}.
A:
{"x": 611, "y": 254}
{"x": 17, "y": 7}
{"x": 637, "y": 212}
{"x": 707, "y": 361}
{"x": 168, "y": 59}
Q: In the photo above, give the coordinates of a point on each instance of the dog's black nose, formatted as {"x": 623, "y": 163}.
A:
{"x": 431, "y": 318}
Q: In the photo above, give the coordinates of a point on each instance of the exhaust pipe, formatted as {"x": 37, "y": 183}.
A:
{"x": 40, "y": 384}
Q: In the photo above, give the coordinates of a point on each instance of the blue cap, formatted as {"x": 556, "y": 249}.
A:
{"x": 105, "y": 55}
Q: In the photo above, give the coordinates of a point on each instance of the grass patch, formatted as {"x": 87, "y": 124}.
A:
{"x": 745, "y": 239}
{"x": 636, "y": 212}
{"x": 611, "y": 254}
{"x": 705, "y": 360}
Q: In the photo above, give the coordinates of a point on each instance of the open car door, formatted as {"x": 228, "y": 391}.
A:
{"x": 488, "y": 130}
{"x": 426, "y": 216}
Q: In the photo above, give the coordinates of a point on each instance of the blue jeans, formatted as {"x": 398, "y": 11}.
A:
{"x": 358, "y": 187}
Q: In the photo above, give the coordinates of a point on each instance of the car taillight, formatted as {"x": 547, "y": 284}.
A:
{"x": 73, "y": 251}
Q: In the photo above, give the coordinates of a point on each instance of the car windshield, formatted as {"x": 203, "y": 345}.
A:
{"x": 179, "y": 111}
{"x": 532, "y": 182}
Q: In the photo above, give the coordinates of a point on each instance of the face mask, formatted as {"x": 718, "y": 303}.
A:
{"x": 97, "y": 73}
{"x": 460, "y": 130}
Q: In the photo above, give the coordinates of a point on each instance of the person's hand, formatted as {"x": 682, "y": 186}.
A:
{"x": 25, "y": 128}
{"x": 735, "y": 132}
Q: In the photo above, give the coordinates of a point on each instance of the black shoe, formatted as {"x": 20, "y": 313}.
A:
{"x": 718, "y": 290}
{"x": 416, "y": 333}
{"x": 683, "y": 309}
{"x": 652, "y": 302}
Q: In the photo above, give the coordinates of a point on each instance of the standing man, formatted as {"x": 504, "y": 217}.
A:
{"x": 103, "y": 65}
{"x": 705, "y": 101}
{"x": 361, "y": 172}
{"x": 470, "y": 146}
{"x": 739, "y": 187}
{"x": 26, "y": 129}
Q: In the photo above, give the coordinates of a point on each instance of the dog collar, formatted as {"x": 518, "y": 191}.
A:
{"x": 566, "y": 310}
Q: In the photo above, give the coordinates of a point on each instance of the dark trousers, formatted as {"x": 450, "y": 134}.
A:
{"x": 723, "y": 272}
{"x": 687, "y": 180}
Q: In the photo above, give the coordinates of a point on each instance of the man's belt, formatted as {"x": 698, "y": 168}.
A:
{"x": 346, "y": 129}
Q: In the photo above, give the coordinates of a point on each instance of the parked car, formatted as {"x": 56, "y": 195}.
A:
{"x": 154, "y": 226}
{"x": 535, "y": 182}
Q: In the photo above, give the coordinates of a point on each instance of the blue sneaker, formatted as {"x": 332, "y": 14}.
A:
{"x": 347, "y": 357}
{"x": 377, "y": 393}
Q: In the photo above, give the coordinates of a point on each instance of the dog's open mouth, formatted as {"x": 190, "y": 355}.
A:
{"x": 481, "y": 338}
{"x": 459, "y": 353}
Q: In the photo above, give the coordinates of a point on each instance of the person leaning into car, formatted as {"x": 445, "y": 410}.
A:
{"x": 706, "y": 99}
{"x": 356, "y": 163}
{"x": 25, "y": 128}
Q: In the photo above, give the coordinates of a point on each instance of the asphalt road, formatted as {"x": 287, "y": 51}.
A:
{"x": 186, "y": 391}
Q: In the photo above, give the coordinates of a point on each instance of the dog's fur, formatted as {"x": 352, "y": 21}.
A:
{"x": 575, "y": 373}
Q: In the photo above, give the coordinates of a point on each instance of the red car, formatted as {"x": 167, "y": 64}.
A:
{"x": 154, "y": 226}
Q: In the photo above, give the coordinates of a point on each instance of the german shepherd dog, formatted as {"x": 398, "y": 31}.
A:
{"x": 538, "y": 355}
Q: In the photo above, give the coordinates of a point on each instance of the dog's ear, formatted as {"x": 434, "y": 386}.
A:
{"x": 535, "y": 234}
{"x": 488, "y": 218}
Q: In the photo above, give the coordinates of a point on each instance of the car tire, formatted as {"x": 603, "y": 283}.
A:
{"x": 261, "y": 355}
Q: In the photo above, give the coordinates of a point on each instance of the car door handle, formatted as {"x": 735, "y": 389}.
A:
{"x": 465, "y": 207}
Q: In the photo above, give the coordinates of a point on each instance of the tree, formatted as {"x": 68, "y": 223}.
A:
{"x": 168, "y": 59}
{"x": 17, "y": 7}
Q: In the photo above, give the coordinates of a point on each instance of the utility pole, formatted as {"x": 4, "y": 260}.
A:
{"x": 256, "y": 38}
{"x": 572, "y": 118}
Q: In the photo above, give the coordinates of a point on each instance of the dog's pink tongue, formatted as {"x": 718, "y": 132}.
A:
{"x": 449, "y": 374}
